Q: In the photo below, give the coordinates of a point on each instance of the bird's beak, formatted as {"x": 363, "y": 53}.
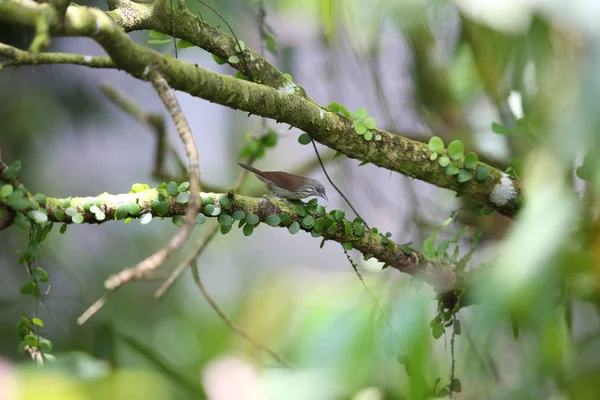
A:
{"x": 324, "y": 196}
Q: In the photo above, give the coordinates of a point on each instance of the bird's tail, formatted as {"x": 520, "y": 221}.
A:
{"x": 251, "y": 169}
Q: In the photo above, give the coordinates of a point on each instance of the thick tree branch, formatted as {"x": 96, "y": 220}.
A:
{"x": 499, "y": 191}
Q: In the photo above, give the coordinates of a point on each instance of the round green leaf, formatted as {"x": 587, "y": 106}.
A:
{"x": 252, "y": 219}
{"x": 433, "y": 156}
{"x": 100, "y": 216}
{"x": 368, "y": 136}
{"x": 248, "y": 229}
{"x": 471, "y": 160}
{"x": 371, "y": 123}
{"x": 444, "y": 161}
{"x": 308, "y": 221}
{"x": 377, "y": 138}
{"x": 225, "y": 229}
{"x": 200, "y": 219}
{"x": 134, "y": 209}
{"x": 481, "y": 173}
{"x": 464, "y": 176}
{"x": 177, "y": 220}
{"x": 182, "y": 198}
{"x": 59, "y": 214}
{"x": 37, "y": 322}
{"x": 77, "y": 218}
{"x": 238, "y": 215}
{"x": 27, "y": 288}
{"x": 294, "y": 228}
{"x": 241, "y": 46}
{"x": 6, "y": 190}
{"x": 94, "y": 209}
{"x": 225, "y": 219}
{"x": 300, "y": 210}
{"x": 218, "y": 59}
{"x": 451, "y": 169}
{"x": 333, "y": 106}
{"x": 225, "y": 202}
{"x": 162, "y": 208}
{"x": 234, "y": 60}
{"x": 183, "y": 187}
{"x": 172, "y": 188}
{"x": 436, "y": 145}
{"x": 359, "y": 229}
{"x": 304, "y": 139}
{"x": 122, "y": 211}
{"x": 209, "y": 209}
{"x": 347, "y": 246}
{"x": 360, "y": 128}
{"x": 456, "y": 150}
{"x": 273, "y": 220}
{"x": 361, "y": 113}
{"x": 286, "y": 220}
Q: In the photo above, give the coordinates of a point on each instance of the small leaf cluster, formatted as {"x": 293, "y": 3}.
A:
{"x": 256, "y": 147}
{"x": 233, "y": 59}
{"x": 363, "y": 124}
{"x": 431, "y": 391}
{"x": 455, "y": 162}
{"x": 16, "y": 197}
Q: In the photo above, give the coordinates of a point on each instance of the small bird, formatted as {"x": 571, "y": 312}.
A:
{"x": 288, "y": 186}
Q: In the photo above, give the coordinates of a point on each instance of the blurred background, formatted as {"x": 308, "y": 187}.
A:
{"x": 422, "y": 68}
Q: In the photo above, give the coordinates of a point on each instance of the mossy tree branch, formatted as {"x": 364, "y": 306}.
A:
{"x": 499, "y": 191}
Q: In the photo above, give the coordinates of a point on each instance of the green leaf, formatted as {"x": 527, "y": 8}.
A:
{"x": 209, "y": 210}
{"x": 368, "y": 136}
{"x": 248, "y": 229}
{"x": 159, "y": 41}
{"x": 308, "y": 221}
{"x": 178, "y": 220}
{"x": 377, "y": 138}
{"x": 501, "y": 130}
{"x": 361, "y": 113}
{"x": 289, "y": 77}
{"x": 286, "y": 220}
{"x": 94, "y": 209}
{"x": 12, "y": 170}
{"x": 471, "y": 160}
{"x": 40, "y": 198}
{"x": 225, "y": 202}
{"x": 429, "y": 248}
{"x": 273, "y": 220}
{"x": 360, "y": 128}
{"x": 347, "y": 246}
{"x": 464, "y": 176}
{"x": 37, "y": 322}
{"x": 359, "y": 229}
{"x": 225, "y": 229}
{"x": 157, "y": 35}
{"x": 304, "y": 139}
{"x": 37, "y": 216}
{"x": 200, "y": 219}
{"x": 252, "y": 219}
{"x": 225, "y": 219}
{"x": 451, "y": 169}
{"x": 234, "y": 60}
{"x": 162, "y": 208}
{"x": 371, "y": 123}
{"x": 122, "y": 211}
{"x": 172, "y": 188}
{"x": 333, "y": 106}
{"x": 183, "y": 187}
{"x": 6, "y": 190}
{"x": 336, "y": 155}
{"x": 481, "y": 173}
{"x": 444, "y": 161}
{"x": 134, "y": 209}
{"x": 31, "y": 340}
{"x": 184, "y": 44}
{"x": 240, "y": 46}
{"x": 45, "y": 345}
{"x": 271, "y": 43}
{"x": 63, "y": 228}
{"x": 182, "y": 198}
{"x": 433, "y": 156}
{"x": 27, "y": 288}
{"x": 40, "y": 275}
{"x": 436, "y": 145}
{"x": 345, "y": 111}
{"x": 456, "y": 150}
{"x": 218, "y": 59}
{"x": 238, "y": 215}
{"x": 406, "y": 248}
{"x": 437, "y": 330}
{"x": 270, "y": 139}
{"x": 300, "y": 210}
{"x": 77, "y": 218}
{"x": 137, "y": 187}
{"x": 339, "y": 215}
{"x": 294, "y": 228}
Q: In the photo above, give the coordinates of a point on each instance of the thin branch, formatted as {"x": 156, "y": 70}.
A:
{"x": 94, "y": 308}
{"x": 335, "y": 187}
{"x": 20, "y": 57}
{"x": 232, "y": 325}
{"x": 194, "y": 254}
{"x": 154, "y": 261}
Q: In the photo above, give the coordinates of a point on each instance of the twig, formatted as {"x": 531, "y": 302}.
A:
{"x": 335, "y": 187}
{"x": 157, "y": 123}
{"x": 198, "y": 248}
{"x": 20, "y": 57}
{"x": 93, "y": 309}
{"x": 154, "y": 261}
{"x": 228, "y": 320}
